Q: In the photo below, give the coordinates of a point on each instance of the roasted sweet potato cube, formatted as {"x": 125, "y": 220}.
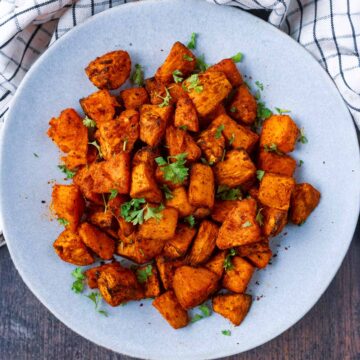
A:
{"x": 147, "y": 156}
{"x": 238, "y": 277}
{"x": 153, "y": 122}
{"x": 155, "y": 90}
{"x": 125, "y": 228}
{"x": 68, "y": 204}
{"x": 222, "y": 209}
{"x": 85, "y": 183}
{"x": 71, "y": 136}
{"x": 160, "y": 229}
{"x": 254, "y": 192}
{"x": 178, "y": 245}
{"x": 93, "y": 274}
{"x": 236, "y": 169}
{"x": 180, "y": 202}
{"x": 112, "y": 174}
{"x": 236, "y": 135}
{"x": 134, "y": 98}
{"x": 100, "y": 243}
{"x": 212, "y": 145}
{"x": 180, "y": 58}
{"x": 177, "y": 92}
{"x": 260, "y": 259}
{"x": 71, "y": 249}
{"x": 216, "y": 263}
{"x": 240, "y": 227}
{"x": 119, "y": 134}
{"x": 243, "y": 106}
{"x": 275, "y": 191}
{"x": 193, "y": 286}
{"x": 228, "y": 67}
{"x": 249, "y": 249}
{"x": 201, "y": 212}
{"x": 274, "y": 221}
{"x": 100, "y": 106}
{"x": 186, "y": 115}
{"x": 169, "y": 307}
{"x": 150, "y": 282}
{"x": 304, "y": 200}
{"x": 215, "y": 88}
{"x": 275, "y": 163}
{"x": 179, "y": 142}
{"x": 201, "y": 189}
{"x": 280, "y": 130}
{"x": 167, "y": 270}
{"x": 233, "y": 307}
{"x": 99, "y": 217}
{"x": 204, "y": 243}
{"x": 206, "y": 120}
{"x": 119, "y": 285}
{"x": 110, "y": 70}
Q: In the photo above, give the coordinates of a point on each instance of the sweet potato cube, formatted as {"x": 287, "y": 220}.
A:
{"x": 240, "y": 227}
{"x": 112, "y": 174}
{"x": 71, "y": 249}
{"x": 236, "y": 169}
{"x": 100, "y": 106}
{"x": 153, "y": 122}
{"x": 100, "y": 243}
{"x": 110, "y": 70}
{"x": 236, "y": 135}
{"x": 179, "y": 142}
{"x": 260, "y": 259}
{"x": 212, "y": 145}
{"x": 177, "y": 92}
{"x": 243, "y": 106}
{"x": 275, "y": 163}
{"x": 280, "y": 130}
{"x": 167, "y": 270}
{"x": 178, "y": 245}
{"x": 147, "y": 156}
{"x": 206, "y": 120}
{"x": 193, "y": 286}
{"x": 215, "y": 88}
{"x": 233, "y": 307}
{"x": 169, "y": 307}
{"x": 201, "y": 189}
{"x": 160, "y": 229}
{"x": 156, "y": 90}
{"x": 119, "y": 134}
{"x": 186, "y": 115}
{"x": 249, "y": 249}
{"x": 180, "y": 58}
{"x": 201, "y": 212}
{"x": 134, "y": 98}
{"x": 93, "y": 274}
{"x": 85, "y": 183}
{"x": 222, "y": 209}
{"x": 275, "y": 191}
{"x": 119, "y": 285}
{"x": 204, "y": 243}
{"x": 71, "y": 136}
{"x": 238, "y": 277}
{"x": 150, "y": 283}
{"x": 68, "y": 204}
{"x": 98, "y": 217}
{"x": 274, "y": 221}
{"x": 304, "y": 200}
{"x": 216, "y": 263}
{"x": 180, "y": 202}
{"x": 228, "y": 67}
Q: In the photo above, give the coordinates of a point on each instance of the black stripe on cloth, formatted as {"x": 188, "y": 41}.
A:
{"x": 74, "y": 15}
{"x": 353, "y": 31}
{"x": 240, "y": 4}
{"x": 5, "y": 95}
{"x": 110, "y": 4}
{"x": 3, "y": 45}
{"x": 316, "y": 41}
{"x": 301, "y": 18}
{"x": 330, "y": 39}
{"x": 335, "y": 55}
{"x": 92, "y": 8}
{"x": 1, "y": 115}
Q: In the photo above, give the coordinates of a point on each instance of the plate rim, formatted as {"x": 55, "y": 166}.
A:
{"x": 119, "y": 8}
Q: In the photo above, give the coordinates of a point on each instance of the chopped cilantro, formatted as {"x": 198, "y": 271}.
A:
{"x": 201, "y": 65}
{"x": 132, "y": 211}
{"x": 190, "y": 220}
{"x": 69, "y": 174}
{"x": 219, "y": 131}
{"x": 232, "y": 139}
{"x": 96, "y": 298}
{"x": 205, "y": 312}
{"x": 259, "y": 85}
{"x": 227, "y": 262}
{"x": 94, "y": 143}
{"x": 302, "y": 138}
{"x": 192, "y": 43}
{"x": 63, "y": 221}
{"x": 188, "y": 58}
{"x": 262, "y": 111}
{"x": 89, "y": 123}
{"x": 246, "y": 224}
{"x": 225, "y": 193}
{"x": 113, "y": 194}
{"x": 154, "y": 212}
{"x": 233, "y": 109}
{"x": 260, "y": 174}
{"x": 168, "y": 193}
{"x": 226, "y": 332}
{"x": 166, "y": 99}
{"x": 183, "y": 127}
{"x": 143, "y": 274}
{"x": 301, "y": 162}
{"x": 176, "y": 171}
{"x": 272, "y": 148}
{"x": 260, "y": 217}
{"x": 177, "y": 76}
{"x": 137, "y": 77}
{"x": 237, "y": 57}
{"x": 282, "y": 111}
{"x": 78, "y": 284}
{"x": 193, "y": 82}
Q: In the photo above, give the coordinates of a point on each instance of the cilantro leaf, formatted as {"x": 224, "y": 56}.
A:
{"x": 166, "y": 99}
{"x": 154, "y": 212}
{"x": 201, "y": 65}
{"x": 237, "y": 57}
{"x": 302, "y": 138}
{"x": 205, "y": 312}
{"x": 132, "y": 211}
{"x": 190, "y": 220}
{"x": 177, "y": 76}
{"x": 183, "y": 127}
{"x": 137, "y": 76}
{"x": 262, "y": 111}
{"x": 168, "y": 193}
{"x": 193, "y": 82}
{"x": 227, "y": 262}
{"x": 188, "y": 58}
{"x": 219, "y": 131}
{"x": 282, "y": 111}
{"x": 260, "y": 174}
{"x": 113, "y": 194}
{"x": 226, "y": 332}
{"x": 143, "y": 274}
{"x": 69, "y": 174}
{"x": 96, "y": 298}
{"x": 94, "y": 143}
{"x": 192, "y": 43}
{"x": 78, "y": 284}
{"x": 63, "y": 221}
{"x": 272, "y": 148}
{"x": 259, "y": 85}
{"x": 225, "y": 193}
{"x": 233, "y": 109}
{"x": 260, "y": 217}
{"x": 301, "y": 162}
{"x": 89, "y": 123}
{"x": 247, "y": 224}
{"x": 176, "y": 172}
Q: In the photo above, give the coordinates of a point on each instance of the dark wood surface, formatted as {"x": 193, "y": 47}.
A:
{"x": 331, "y": 330}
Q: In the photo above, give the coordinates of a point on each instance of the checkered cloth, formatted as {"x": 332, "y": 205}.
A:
{"x": 329, "y": 29}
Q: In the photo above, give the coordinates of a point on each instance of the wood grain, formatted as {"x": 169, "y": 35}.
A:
{"x": 331, "y": 330}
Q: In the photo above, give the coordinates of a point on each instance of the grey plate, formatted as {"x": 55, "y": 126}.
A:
{"x": 293, "y": 79}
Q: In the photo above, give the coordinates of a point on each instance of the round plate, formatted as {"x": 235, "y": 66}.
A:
{"x": 308, "y": 256}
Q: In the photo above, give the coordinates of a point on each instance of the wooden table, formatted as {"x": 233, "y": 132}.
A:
{"x": 331, "y": 330}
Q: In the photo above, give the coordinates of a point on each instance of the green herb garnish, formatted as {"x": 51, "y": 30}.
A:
{"x": 133, "y": 211}
{"x": 225, "y": 193}
{"x": 193, "y": 82}
{"x": 188, "y": 58}
{"x": 168, "y": 193}
{"x": 259, "y": 85}
{"x": 260, "y": 217}
{"x": 176, "y": 172}
{"x": 137, "y": 77}
{"x": 227, "y": 262}
{"x": 226, "y": 332}
{"x": 282, "y": 111}
{"x": 63, "y": 221}
{"x": 78, "y": 284}
{"x": 272, "y": 148}
{"x": 69, "y": 174}
{"x": 260, "y": 174}
{"x": 232, "y": 139}
{"x": 89, "y": 123}
{"x": 301, "y": 162}
{"x": 233, "y": 109}
{"x": 177, "y": 76}
{"x": 96, "y": 298}
{"x": 262, "y": 111}
{"x": 201, "y": 65}
{"x": 192, "y": 43}
{"x": 237, "y": 57}
{"x": 247, "y": 224}
{"x": 166, "y": 99}
{"x": 205, "y": 312}
{"x": 183, "y": 127}
{"x": 143, "y": 274}
{"x": 190, "y": 220}
{"x": 302, "y": 138}
{"x": 219, "y": 131}
{"x": 94, "y": 143}
{"x": 113, "y": 194}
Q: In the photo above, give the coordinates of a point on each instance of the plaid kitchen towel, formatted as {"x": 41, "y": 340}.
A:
{"x": 329, "y": 29}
